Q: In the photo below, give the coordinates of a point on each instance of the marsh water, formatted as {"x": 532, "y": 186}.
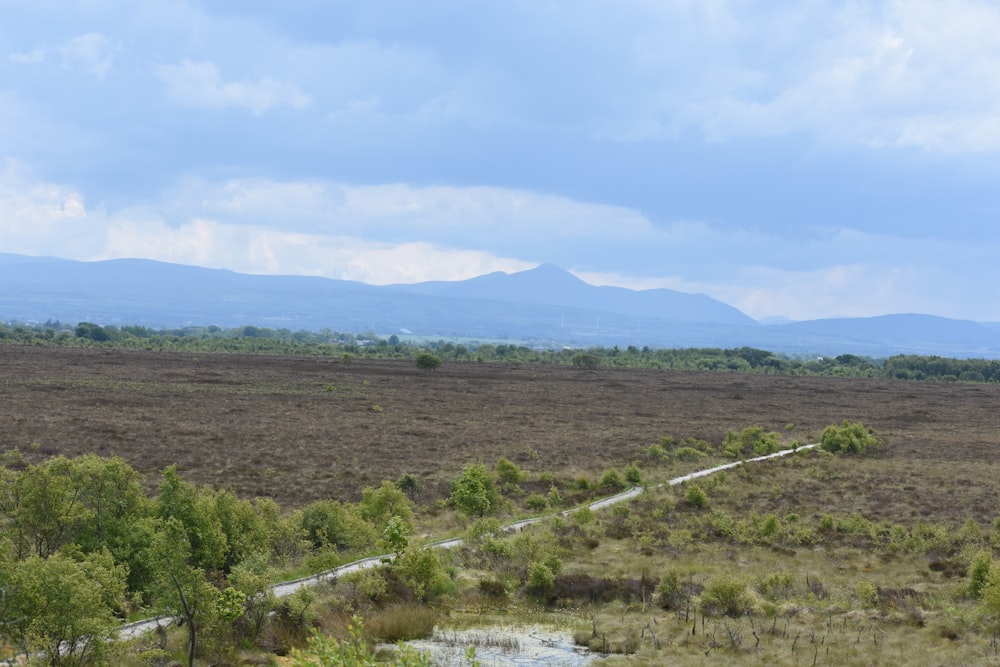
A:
{"x": 533, "y": 646}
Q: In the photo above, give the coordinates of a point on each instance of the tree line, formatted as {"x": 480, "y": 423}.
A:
{"x": 263, "y": 340}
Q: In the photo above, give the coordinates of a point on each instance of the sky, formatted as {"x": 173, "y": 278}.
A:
{"x": 804, "y": 160}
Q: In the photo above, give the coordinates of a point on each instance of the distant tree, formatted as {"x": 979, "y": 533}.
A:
{"x": 586, "y": 360}
{"x": 428, "y": 360}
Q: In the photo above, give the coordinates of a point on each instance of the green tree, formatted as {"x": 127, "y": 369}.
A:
{"x": 379, "y": 506}
{"x": 180, "y": 585}
{"x": 474, "y": 491}
{"x": 329, "y": 522}
{"x": 65, "y": 607}
{"x": 196, "y": 513}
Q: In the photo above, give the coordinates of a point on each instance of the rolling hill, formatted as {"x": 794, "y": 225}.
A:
{"x": 544, "y": 306}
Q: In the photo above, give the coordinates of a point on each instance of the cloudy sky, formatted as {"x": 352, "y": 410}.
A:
{"x": 800, "y": 159}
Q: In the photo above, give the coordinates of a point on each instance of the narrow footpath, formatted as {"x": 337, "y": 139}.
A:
{"x": 139, "y": 628}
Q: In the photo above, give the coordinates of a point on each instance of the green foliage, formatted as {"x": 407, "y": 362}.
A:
{"x": 508, "y": 473}
{"x": 395, "y": 535}
{"x": 541, "y": 580}
{"x": 612, "y": 478}
{"x": 671, "y": 591}
{"x": 554, "y": 498}
{"x": 696, "y": 497}
{"x": 867, "y": 593}
{"x": 422, "y": 572}
{"x": 355, "y": 651}
{"x": 848, "y": 438}
{"x": 194, "y": 513}
{"x": 329, "y": 522}
{"x": 379, "y": 506}
{"x": 633, "y": 475}
{"x": 474, "y": 491}
{"x": 586, "y": 360}
{"x": 65, "y": 606}
{"x": 428, "y": 361}
{"x": 726, "y": 596}
{"x": 990, "y": 594}
{"x": 979, "y": 572}
{"x": 536, "y": 502}
{"x": 688, "y": 454}
{"x": 751, "y": 441}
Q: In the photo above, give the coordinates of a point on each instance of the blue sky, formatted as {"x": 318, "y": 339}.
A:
{"x": 800, "y": 159}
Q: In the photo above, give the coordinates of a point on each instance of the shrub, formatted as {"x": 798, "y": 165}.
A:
{"x": 428, "y": 360}
{"x": 541, "y": 580}
{"x": 474, "y": 491}
{"x": 536, "y": 502}
{"x": 848, "y": 438}
{"x": 751, "y": 440}
{"x": 726, "y": 596}
{"x": 612, "y": 478}
{"x": 633, "y": 475}
{"x": 586, "y": 360}
{"x": 555, "y": 500}
{"x": 423, "y": 573}
{"x": 671, "y": 591}
{"x": 979, "y": 572}
{"x": 688, "y": 454}
{"x": 867, "y": 593}
{"x": 508, "y": 473}
{"x": 696, "y": 497}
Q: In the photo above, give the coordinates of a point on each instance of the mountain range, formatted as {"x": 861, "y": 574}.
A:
{"x": 545, "y": 306}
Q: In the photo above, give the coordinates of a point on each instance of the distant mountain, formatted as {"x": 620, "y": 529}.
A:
{"x": 549, "y": 285}
{"x": 545, "y": 306}
{"x": 890, "y": 334}
{"x": 774, "y": 320}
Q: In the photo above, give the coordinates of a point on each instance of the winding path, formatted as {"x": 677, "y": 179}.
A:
{"x": 138, "y": 628}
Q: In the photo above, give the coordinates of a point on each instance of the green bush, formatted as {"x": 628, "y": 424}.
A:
{"x": 848, "y": 438}
{"x": 726, "y": 596}
{"x": 633, "y": 475}
{"x": 536, "y": 502}
{"x": 541, "y": 580}
{"x": 474, "y": 492}
{"x": 688, "y": 454}
{"x": 753, "y": 440}
{"x": 508, "y": 473}
{"x": 696, "y": 497}
{"x": 428, "y": 360}
{"x": 613, "y": 479}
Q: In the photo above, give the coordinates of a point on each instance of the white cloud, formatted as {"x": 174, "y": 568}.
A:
{"x": 32, "y": 57}
{"x": 263, "y": 251}
{"x": 399, "y": 211}
{"x": 92, "y": 54}
{"x": 913, "y": 73}
{"x": 401, "y": 233}
{"x": 199, "y": 85}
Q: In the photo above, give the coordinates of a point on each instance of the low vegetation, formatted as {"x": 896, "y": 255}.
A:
{"x": 875, "y": 547}
{"x": 347, "y": 346}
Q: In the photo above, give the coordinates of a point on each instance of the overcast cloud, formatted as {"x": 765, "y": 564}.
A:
{"x": 799, "y": 159}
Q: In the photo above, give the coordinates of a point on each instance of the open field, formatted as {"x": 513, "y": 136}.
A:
{"x": 302, "y": 428}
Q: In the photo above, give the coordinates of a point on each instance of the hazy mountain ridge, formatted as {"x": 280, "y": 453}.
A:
{"x": 546, "y": 305}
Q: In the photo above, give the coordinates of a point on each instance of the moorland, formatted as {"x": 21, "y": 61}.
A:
{"x": 828, "y": 559}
